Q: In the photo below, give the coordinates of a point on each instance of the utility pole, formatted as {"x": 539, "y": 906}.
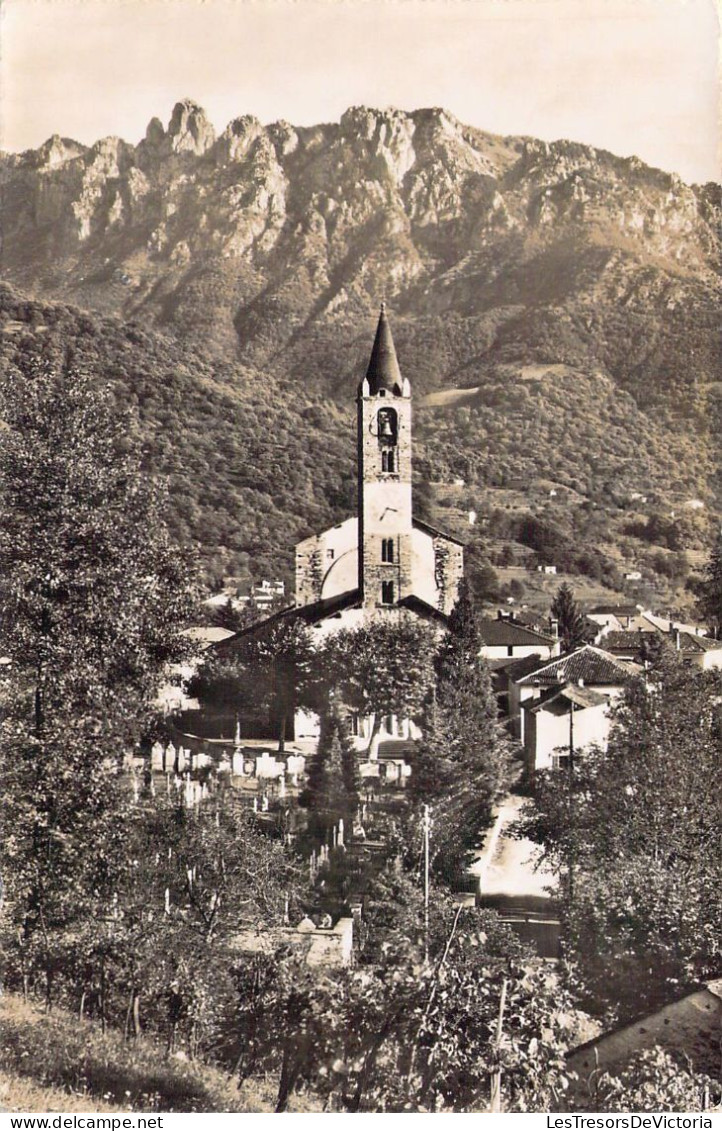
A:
{"x": 571, "y": 802}
{"x": 495, "y": 1095}
{"x": 427, "y": 829}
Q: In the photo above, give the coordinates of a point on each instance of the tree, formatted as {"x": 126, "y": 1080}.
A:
{"x": 382, "y": 668}
{"x": 570, "y": 617}
{"x": 710, "y": 592}
{"x": 270, "y": 669}
{"x": 643, "y": 921}
{"x": 93, "y": 602}
{"x": 462, "y": 764}
{"x": 653, "y": 1080}
{"x": 333, "y": 789}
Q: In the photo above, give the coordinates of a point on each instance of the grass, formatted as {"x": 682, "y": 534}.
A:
{"x": 54, "y": 1063}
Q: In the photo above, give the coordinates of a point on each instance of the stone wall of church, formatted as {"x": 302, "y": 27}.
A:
{"x": 327, "y": 563}
{"x": 448, "y": 571}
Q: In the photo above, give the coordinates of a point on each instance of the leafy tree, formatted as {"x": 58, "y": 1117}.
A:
{"x": 201, "y": 875}
{"x": 570, "y": 617}
{"x": 271, "y": 669}
{"x": 710, "y": 591}
{"x": 397, "y": 1033}
{"x": 640, "y": 822}
{"x": 653, "y": 1080}
{"x": 92, "y": 605}
{"x": 382, "y": 668}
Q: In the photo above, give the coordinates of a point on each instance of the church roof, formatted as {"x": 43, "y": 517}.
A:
{"x": 383, "y": 371}
{"x": 435, "y": 532}
{"x": 311, "y": 614}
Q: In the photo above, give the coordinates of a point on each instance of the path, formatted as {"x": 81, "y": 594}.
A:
{"x": 505, "y": 866}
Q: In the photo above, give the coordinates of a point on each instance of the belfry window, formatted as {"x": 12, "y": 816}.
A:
{"x": 387, "y": 592}
{"x": 388, "y": 426}
{"x": 388, "y": 460}
{"x": 387, "y": 550}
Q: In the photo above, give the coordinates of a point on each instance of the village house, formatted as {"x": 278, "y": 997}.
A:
{"x": 614, "y": 617}
{"x": 697, "y": 651}
{"x": 562, "y": 719}
{"x": 587, "y": 667}
{"x": 505, "y": 638}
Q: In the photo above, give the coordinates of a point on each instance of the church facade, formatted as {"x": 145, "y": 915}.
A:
{"x": 382, "y": 561}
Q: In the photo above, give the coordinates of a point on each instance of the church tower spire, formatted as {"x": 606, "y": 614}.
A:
{"x": 383, "y": 369}
{"x": 384, "y": 455}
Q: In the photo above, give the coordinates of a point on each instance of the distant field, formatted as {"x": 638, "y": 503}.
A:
{"x": 449, "y": 398}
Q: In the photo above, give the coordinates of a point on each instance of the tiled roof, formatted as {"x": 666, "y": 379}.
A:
{"x": 570, "y": 693}
{"x": 422, "y": 608}
{"x": 616, "y": 610}
{"x": 500, "y": 632}
{"x": 590, "y": 664}
{"x": 516, "y": 669}
{"x": 396, "y": 749}
{"x": 625, "y": 641}
{"x": 691, "y": 642}
{"x": 632, "y": 642}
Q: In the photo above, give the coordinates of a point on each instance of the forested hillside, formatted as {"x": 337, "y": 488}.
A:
{"x": 253, "y": 464}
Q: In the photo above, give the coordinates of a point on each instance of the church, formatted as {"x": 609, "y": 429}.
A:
{"x": 381, "y": 563}
{"x": 383, "y": 560}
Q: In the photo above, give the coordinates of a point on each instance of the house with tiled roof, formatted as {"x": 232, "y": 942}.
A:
{"x": 698, "y": 651}
{"x": 588, "y": 666}
{"x": 559, "y": 719}
{"x": 614, "y": 617}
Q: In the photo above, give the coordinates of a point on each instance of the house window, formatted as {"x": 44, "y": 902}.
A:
{"x": 355, "y": 724}
{"x": 330, "y": 555}
{"x": 388, "y": 460}
{"x": 387, "y": 550}
{"x": 387, "y": 592}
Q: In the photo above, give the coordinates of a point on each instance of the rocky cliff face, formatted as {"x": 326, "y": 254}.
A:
{"x": 248, "y": 237}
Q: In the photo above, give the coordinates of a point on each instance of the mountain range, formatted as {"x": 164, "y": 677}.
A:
{"x": 556, "y": 308}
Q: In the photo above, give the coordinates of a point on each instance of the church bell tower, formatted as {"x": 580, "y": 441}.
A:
{"x": 384, "y": 482}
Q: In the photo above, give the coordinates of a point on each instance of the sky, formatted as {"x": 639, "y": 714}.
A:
{"x": 632, "y": 76}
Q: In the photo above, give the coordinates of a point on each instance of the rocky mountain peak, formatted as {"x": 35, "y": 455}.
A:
{"x": 237, "y": 138}
{"x": 56, "y": 152}
{"x": 189, "y": 130}
{"x": 154, "y": 134}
